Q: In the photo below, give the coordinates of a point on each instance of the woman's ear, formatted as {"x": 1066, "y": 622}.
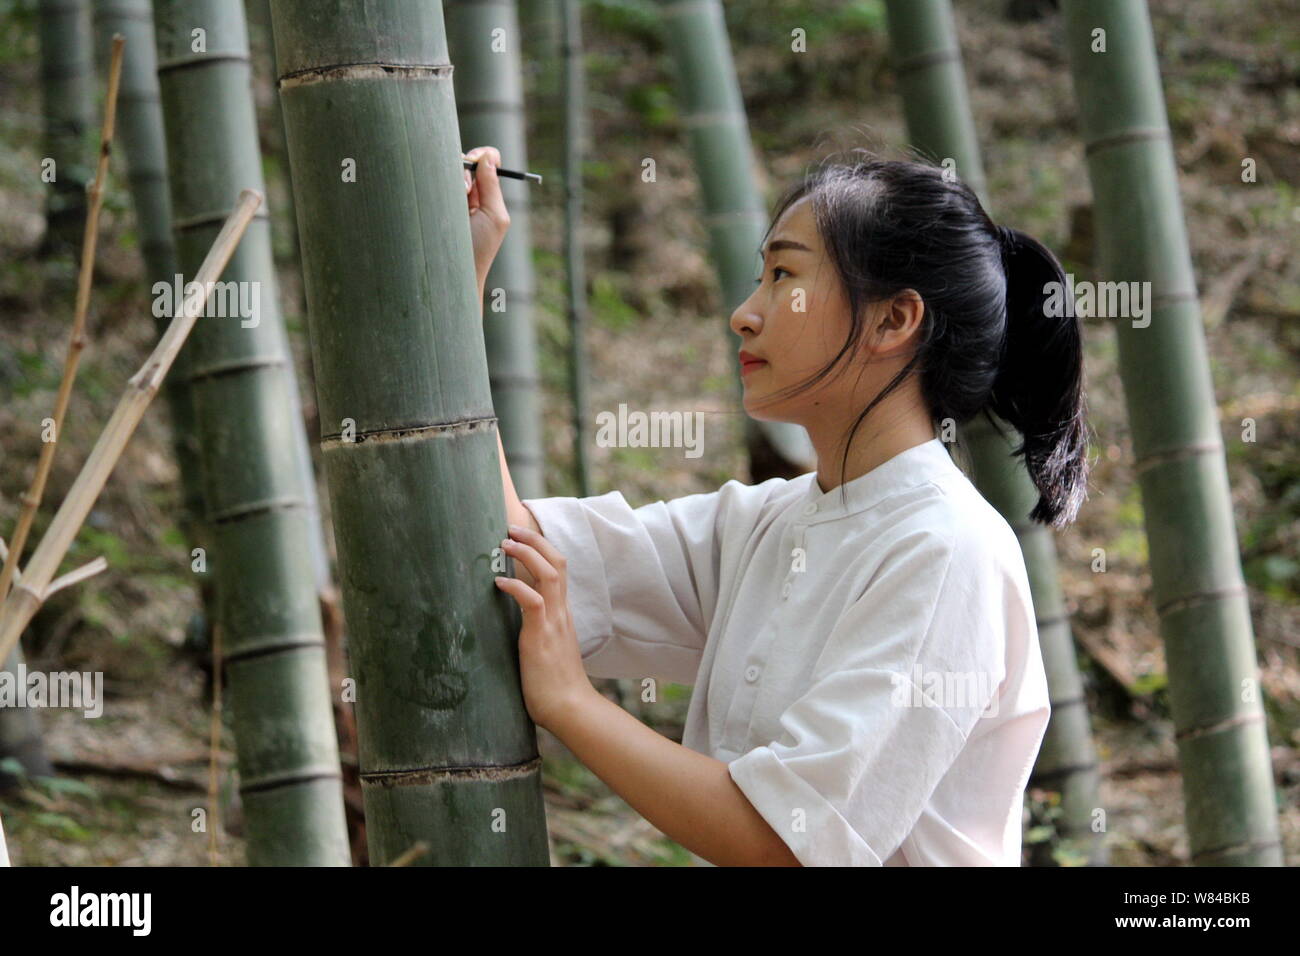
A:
{"x": 898, "y": 323}
{"x": 906, "y": 311}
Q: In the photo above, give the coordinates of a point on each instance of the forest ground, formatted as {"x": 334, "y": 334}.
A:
{"x": 129, "y": 779}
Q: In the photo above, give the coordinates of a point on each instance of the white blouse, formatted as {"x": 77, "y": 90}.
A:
{"x": 870, "y": 673}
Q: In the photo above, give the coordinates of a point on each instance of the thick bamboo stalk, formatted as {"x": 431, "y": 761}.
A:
{"x": 735, "y": 215}
{"x": 254, "y": 493}
{"x": 37, "y": 579}
{"x": 1198, "y": 591}
{"x": 485, "y": 40}
{"x": 941, "y": 125}
{"x": 68, "y": 90}
{"x": 448, "y": 753}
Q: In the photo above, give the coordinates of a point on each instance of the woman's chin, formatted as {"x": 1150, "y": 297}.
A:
{"x": 756, "y": 410}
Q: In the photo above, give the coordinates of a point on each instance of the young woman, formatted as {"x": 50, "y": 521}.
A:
{"x": 868, "y": 687}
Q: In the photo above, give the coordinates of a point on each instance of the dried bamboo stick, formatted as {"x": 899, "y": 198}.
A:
{"x": 77, "y": 341}
{"x": 26, "y": 597}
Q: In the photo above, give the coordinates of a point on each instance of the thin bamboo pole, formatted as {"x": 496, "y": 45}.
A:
{"x": 941, "y": 125}
{"x": 485, "y": 40}
{"x": 68, "y": 89}
{"x": 1198, "y": 591}
{"x": 714, "y": 115}
{"x": 448, "y": 753}
{"x": 575, "y": 140}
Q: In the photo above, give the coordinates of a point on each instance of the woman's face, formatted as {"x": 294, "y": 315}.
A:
{"x": 797, "y": 320}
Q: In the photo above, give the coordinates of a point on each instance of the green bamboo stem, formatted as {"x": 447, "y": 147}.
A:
{"x": 20, "y": 735}
{"x": 287, "y": 221}
{"x": 575, "y": 261}
{"x": 448, "y": 754}
{"x": 1198, "y": 591}
{"x": 941, "y": 125}
{"x": 68, "y": 88}
{"x": 932, "y": 83}
{"x": 140, "y": 135}
{"x": 490, "y": 109}
{"x": 735, "y": 215}
{"x": 259, "y": 21}
{"x": 255, "y": 498}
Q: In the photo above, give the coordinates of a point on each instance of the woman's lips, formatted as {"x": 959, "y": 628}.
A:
{"x": 749, "y": 361}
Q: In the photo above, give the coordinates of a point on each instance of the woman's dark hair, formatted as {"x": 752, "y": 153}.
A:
{"x": 987, "y": 343}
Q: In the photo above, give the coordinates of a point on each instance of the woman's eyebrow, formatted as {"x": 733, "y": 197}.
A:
{"x": 778, "y": 244}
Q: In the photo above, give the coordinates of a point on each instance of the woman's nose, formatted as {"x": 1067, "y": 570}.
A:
{"x": 745, "y": 319}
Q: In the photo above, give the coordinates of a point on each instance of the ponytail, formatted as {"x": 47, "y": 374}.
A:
{"x": 1038, "y": 388}
{"x": 987, "y": 345}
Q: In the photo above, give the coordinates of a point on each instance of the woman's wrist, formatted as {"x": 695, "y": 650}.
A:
{"x": 580, "y": 707}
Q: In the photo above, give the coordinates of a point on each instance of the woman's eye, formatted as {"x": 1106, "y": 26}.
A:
{"x": 775, "y": 270}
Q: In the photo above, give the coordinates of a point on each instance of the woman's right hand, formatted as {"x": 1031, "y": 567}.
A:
{"x": 488, "y": 218}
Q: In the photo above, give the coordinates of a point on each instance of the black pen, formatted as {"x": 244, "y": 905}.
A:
{"x": 508, "y": 173}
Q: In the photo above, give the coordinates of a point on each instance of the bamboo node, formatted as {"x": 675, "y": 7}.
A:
{"x": 365, "y": 71}
{"x": 426, "y": 776}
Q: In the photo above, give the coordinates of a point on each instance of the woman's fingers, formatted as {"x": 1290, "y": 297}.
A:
{"x": 530, "y": 602}
{"x": 548, "y": 550}
{"x": 487, "y": 186}
{"x": 547, "y": 579}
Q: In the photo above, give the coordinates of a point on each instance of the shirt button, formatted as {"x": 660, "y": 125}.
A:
{"x": 785, "y": 590}
{"x": 809, "y": 509}
{"x": 751, "y": 673}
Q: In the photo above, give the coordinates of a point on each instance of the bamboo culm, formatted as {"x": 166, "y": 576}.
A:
{"x": 1198, "y": 590}
{"x": 940, "y": 124}
{"x": 247, "y": 414}
{"x": 735, "y": 214}
{"x": 484, "y": 39}
{"x": 448, "y": 754}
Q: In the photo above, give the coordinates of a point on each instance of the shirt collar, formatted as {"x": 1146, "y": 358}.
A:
{"x": 908, "y": 469}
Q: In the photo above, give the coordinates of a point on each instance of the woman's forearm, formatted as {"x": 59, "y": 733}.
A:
{"x": 689, "y": 796}
{"x": 517, "y": 512}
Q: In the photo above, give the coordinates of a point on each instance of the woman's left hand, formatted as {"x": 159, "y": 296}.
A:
{"x": 550, "y": 664}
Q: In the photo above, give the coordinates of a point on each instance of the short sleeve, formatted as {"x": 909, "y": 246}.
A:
{"x": 903, "y": 678}
{"x": 644, "y": 582}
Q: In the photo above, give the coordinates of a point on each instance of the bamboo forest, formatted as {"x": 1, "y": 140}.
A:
{"x": 399, "y": 469}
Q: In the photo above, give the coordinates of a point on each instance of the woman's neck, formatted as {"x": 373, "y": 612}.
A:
{"x": 886, "y": 432}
